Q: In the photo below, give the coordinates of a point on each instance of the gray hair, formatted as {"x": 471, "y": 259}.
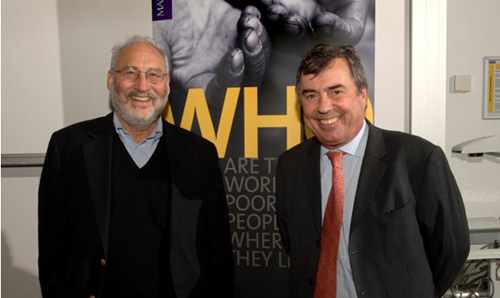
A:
{"x": 116, "y": 50}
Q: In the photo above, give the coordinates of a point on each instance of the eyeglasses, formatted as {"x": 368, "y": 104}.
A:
{"x": 131, "y": 74}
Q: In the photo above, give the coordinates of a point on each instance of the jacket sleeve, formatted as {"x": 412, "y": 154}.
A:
{"x": 443, "y": 221}
{"x": 52, "y": 222}
{"x": 221, "y": 277}
{"x": 281, "y": 213}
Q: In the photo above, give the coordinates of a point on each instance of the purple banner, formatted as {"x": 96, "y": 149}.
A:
{"x": 162, "y": 10}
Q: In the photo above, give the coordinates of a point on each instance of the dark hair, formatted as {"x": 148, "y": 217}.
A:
{"x": 319, "y": 57}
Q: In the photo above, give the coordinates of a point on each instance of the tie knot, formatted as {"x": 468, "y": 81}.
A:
{"x": 336, "y": 158}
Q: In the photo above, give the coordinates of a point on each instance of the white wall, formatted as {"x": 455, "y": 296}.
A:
{"x": 428, "y": 70}
{"x": 31, "y": 75}
{"x": 31, "y": 109}
{"x": 19, "y": 232}
{"x": 391, "y": 64}
{"x": 472, "y": 34}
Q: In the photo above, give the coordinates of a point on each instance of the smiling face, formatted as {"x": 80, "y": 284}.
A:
{"x": 333, "y": 108}
{"x": 138, "y": 103}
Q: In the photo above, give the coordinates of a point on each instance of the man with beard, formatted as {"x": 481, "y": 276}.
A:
{"x": 130, "y": 205}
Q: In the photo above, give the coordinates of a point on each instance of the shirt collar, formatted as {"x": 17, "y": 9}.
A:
{"x": 122, "y": 132}
{"x": 353, "y": 147}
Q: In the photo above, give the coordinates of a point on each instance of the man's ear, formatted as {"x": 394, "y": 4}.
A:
{"x": 110, "y": 80}
{"x": 167, "y": 83}
{"x": 364, "y": 97}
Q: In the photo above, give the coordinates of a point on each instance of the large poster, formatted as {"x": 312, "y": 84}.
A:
{"x": 232, "y": 66}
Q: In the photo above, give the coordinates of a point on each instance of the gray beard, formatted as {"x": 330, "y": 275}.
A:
{"x": 137, "y": 123}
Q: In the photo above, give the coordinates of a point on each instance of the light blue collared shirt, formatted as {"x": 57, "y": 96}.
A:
{"x": 143, "y": 151}
{"x": 351, "y": 167}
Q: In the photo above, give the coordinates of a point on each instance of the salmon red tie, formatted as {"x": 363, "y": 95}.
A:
{"x": 326, "y": 277}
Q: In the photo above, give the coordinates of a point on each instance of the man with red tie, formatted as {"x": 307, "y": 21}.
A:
{"x": 364, "y": 212}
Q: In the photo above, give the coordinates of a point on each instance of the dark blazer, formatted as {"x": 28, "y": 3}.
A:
{"x": 74, "y": 210}
{"x": 409, "y": 234}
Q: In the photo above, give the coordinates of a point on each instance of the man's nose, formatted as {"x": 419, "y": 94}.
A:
{"x": 141, "y": 83}
{"x": 324, "y": 103}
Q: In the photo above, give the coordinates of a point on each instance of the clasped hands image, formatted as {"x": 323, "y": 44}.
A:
{"x": 216, "y": 44}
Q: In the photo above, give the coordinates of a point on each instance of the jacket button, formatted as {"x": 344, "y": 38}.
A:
{"x": 103, "y": 263}
{"x": 318, "y": 242}
{"x": 311, "y": 281}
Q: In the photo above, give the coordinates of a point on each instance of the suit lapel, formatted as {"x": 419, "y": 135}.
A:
{"x": 172, "y": 143}
{"x": 97, "y": 154}
{"x": 312, "y": 178}
{"x": 372, "y": 171}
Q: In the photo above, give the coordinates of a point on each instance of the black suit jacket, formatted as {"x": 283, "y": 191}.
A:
{"x": 409, "y": 234}
{"x": 74, "y": 210}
